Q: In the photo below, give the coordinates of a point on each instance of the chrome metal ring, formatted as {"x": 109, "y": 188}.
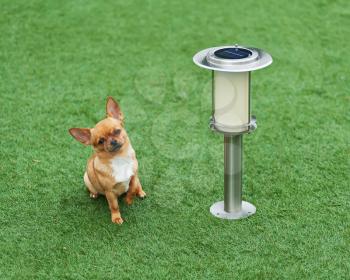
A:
{"x": 233, "y": 130}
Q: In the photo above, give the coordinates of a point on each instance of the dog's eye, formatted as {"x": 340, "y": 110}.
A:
{"x": 117, "y": 131}
{"x": 101, "y": 141}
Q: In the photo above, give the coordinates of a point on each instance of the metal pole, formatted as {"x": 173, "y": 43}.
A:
{"x": 232, "y": 207}
{"x": 233, "y": 173}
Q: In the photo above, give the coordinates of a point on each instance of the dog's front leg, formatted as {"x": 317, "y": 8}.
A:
{"x": 134, "y": 189}
{"x": 139, "y": 191}
{"x": 113, "y": 206}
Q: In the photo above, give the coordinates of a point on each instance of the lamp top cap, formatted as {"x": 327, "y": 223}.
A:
{"x": 232, "y": 59}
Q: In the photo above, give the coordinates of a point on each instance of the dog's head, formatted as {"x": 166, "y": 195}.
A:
{"x": 109, "y": 135}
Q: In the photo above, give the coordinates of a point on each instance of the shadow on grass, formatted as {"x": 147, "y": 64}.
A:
{"x": 77, "y": 208}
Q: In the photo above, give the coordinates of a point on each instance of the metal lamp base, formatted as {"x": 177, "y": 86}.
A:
{"x": 217, "y": 209}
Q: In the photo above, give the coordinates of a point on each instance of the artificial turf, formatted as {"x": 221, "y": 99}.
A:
{"x": 59, "y": 62}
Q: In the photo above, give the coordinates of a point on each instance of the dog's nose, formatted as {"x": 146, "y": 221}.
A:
{"x": 114, "y": 143}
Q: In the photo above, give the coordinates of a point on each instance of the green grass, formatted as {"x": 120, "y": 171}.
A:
{"x": 59, "y": 60}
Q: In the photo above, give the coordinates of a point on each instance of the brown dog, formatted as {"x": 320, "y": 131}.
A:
{"x": 112, "y": 169}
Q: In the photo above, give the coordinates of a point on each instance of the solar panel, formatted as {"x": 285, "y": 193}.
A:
{"x": 232, "y": 53}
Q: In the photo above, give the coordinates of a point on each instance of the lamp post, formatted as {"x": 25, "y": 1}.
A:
{"x": 231, "y": 67}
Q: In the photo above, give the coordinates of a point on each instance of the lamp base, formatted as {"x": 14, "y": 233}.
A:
{"x": 217, "y": 209}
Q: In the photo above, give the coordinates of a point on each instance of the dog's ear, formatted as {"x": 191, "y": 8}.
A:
{"x": 113, "y": 109}
{"x": 83, "y": 135}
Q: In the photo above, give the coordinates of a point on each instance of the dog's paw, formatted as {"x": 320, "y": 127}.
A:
{"x": 117, "y": 220}
{"x": 93, "y": 195}
{"x": 141, "y": 194}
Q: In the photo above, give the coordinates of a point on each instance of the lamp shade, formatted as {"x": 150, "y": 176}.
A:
{"x": 231, "y": 100}
{"x": 231, "y": 66}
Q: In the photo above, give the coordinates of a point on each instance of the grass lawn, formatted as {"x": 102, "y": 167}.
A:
{"x": 59, "y": 60}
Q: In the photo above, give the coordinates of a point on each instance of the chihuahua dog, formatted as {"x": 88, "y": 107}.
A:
{"x": 112, "y": 169}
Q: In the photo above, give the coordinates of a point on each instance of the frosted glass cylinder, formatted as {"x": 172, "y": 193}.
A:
{"x": 231, "y": 99}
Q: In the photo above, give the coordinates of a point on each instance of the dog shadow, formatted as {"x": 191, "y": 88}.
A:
{"x": 78, "y": 207}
